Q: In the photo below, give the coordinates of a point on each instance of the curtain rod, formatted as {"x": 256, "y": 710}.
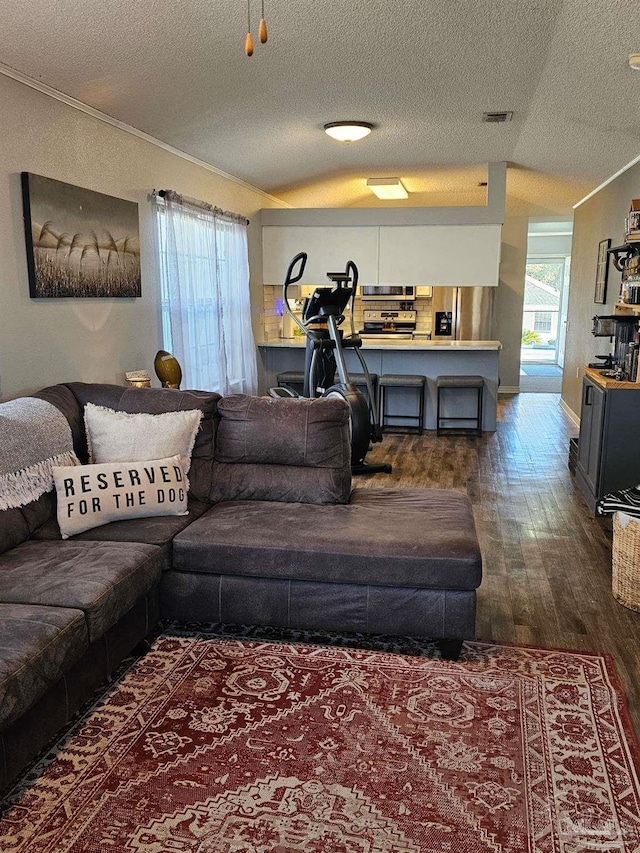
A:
{"x": 178, "y": 198}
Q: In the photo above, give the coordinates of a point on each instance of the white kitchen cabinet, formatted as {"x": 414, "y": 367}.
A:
{"x": 445, "y": 255}
{"x": 328, "y": 250}
{"x": 421, "y": 255}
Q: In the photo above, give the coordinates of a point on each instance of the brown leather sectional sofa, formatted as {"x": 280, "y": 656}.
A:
{"x": 275, "y": 536}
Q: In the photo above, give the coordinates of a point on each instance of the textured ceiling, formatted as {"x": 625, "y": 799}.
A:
{"x": 423, "y": 71}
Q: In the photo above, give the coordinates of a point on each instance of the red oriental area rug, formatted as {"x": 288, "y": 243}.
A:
{"x": 212, "y": 745}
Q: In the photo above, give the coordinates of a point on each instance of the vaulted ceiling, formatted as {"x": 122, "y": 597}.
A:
{"x": 423, "y": 71}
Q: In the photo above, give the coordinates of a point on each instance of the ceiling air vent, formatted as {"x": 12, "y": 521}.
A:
{"x": 497, "y": 118}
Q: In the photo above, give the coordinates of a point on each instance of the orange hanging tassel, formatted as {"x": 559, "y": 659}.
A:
{"x": 248, "y": 45}
{"x": 262, "y": 30}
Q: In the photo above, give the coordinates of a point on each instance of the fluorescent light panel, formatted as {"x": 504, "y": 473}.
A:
{"x": 387, "y": 188}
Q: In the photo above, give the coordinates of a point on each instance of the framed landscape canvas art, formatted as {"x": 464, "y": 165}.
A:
{"x": 79, "y": 243}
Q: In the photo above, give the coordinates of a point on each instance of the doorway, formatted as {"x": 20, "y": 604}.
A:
{"x": 544, "y": 314}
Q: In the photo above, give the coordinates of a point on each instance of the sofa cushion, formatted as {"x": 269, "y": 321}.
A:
{"x": 282, "y": 450}
{"x": 37, "y": 646}
{"x": 268, "y": 431}
{"x": 13, "y": 528}
{"x": 280, "y": 483}
{"x": 17, "y": 525}
{"x": 415, "y": 538}
{"x": 103, "y": 579}
{"x": 151, "y": 531}
{"x": 154, "y": 401}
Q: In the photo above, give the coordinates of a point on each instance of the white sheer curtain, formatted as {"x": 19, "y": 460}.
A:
{"x": 206, "y": 311}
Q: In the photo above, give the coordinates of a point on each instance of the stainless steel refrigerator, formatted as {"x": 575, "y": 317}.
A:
{"x": 462, "y": 313}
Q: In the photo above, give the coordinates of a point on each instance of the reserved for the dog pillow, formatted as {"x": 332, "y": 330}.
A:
{"x": 91, "y": 495}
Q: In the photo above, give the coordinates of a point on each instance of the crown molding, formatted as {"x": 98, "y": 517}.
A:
{"x": 608, "y": 181}
{"x": 39, "y": 86}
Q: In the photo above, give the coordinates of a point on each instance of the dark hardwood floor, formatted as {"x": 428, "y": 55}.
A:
{"x": 547, "y": 563}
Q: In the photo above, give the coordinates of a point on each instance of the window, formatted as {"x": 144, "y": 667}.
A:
{"x": 205, "y": 302}
{"x": 542, "y": 321}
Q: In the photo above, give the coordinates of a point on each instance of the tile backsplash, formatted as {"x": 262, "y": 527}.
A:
{"x": 272, "y": 322}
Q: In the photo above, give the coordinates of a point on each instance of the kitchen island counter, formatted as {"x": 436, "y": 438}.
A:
{"x": 423, "y": 357}
{"x": 390, "y": 344}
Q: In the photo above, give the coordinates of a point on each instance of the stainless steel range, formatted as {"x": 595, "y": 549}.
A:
{"x": 397, "y": 325}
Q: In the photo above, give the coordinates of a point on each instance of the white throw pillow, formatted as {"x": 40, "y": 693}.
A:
{"x": 91, "y": 495}
{"x": 121, "y": 437}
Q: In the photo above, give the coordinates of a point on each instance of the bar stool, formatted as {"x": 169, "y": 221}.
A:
{"x": 291, "y": 377}
{"x": 360, "y": 382}
{"x": 396, "y": 380}
{"x": 452, "y": 383}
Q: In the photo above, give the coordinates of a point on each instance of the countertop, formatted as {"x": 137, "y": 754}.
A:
{"x": 412, "y": 346}
{"x": 607, "y": 382}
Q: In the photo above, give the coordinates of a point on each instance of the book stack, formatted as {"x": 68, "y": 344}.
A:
{"x": 632, "y": 222}
{"x": 633, "y": 367}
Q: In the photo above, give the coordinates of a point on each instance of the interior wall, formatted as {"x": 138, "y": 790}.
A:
{"x": 549, "y": 244}
{"x": 599, "y": 218}
{"x": 43, "y": 341}
{"x": 509, "y": 300}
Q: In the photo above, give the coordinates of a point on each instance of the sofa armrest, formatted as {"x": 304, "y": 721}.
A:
{"x": 63, "y": 398}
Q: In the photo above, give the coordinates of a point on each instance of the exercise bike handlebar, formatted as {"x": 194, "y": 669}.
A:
{"x": 290, "y": 279}
{"x": 293, "y": 278}
{"x": 352, "y": 271}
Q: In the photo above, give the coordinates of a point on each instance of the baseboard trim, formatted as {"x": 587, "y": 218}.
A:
{"x": 569, "y": 412}
{"x": 509, "y": 389}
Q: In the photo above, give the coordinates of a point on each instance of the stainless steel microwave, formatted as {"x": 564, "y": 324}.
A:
{"x": 394, "y": 292}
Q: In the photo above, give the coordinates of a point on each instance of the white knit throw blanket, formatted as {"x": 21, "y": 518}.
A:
{"x": 34, "y": 437}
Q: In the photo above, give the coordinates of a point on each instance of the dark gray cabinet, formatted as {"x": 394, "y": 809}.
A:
{"x": 609, "y": 444}
{"x": 591, "y": 429}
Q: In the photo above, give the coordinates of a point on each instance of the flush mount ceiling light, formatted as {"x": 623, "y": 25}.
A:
{"x": 348, "y": 131}
{"x": 387, "y": 188}
{"x": 634, "y": 61}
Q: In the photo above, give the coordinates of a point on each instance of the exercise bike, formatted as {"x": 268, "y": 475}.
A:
{"x": 322, "y": 314}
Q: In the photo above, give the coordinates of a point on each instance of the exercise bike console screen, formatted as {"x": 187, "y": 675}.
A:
{"x": 327, "y": 300}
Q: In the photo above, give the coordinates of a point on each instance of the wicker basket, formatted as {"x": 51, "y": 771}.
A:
{"x": 626, "y": 563}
